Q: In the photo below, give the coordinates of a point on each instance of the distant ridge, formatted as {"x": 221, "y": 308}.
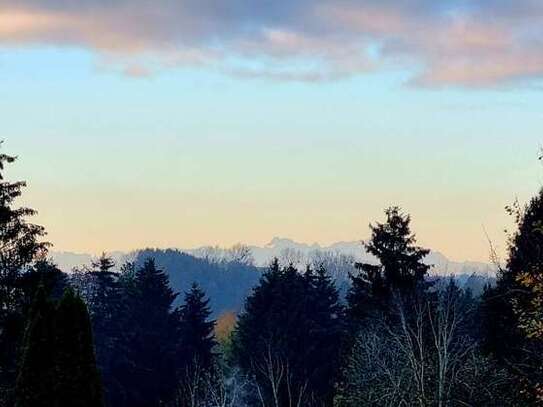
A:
{"x": 442, "y": 265}
{"x": 228, "y": 282}
{"x": 281, "y": 247}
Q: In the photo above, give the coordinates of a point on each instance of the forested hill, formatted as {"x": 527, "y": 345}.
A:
{"x": 226, "y": 283}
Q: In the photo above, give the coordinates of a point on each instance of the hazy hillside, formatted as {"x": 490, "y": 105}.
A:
{"x": 225, "y": 283}
{"x": 228, "y": 283}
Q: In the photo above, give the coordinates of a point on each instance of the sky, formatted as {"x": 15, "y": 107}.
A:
{"x": 193, "y": 122}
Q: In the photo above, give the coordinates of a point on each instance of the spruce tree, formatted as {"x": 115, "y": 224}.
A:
{"x": 20, "y": 243}
{"x": 289, "y": 335}
{"x": 43, "y": 273}
{"x": 195, "y": 358}
{"x": 400, "y": 269}
{"x": 151, "y": 375}
{"x": 20, "y": 240}
{"x": 76, "y": 374}
{"x": 327, "y": 334}
{"x": 108, "y": 314}
{"x": 57, "y": 366}
{"x": 196, "y": 337}
{"x": 36, "y": 379}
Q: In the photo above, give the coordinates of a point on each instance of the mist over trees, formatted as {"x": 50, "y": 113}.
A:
{"x": 170, "y": 329}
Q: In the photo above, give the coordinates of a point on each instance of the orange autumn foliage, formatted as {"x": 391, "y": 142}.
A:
{"x": 225, "y": 325}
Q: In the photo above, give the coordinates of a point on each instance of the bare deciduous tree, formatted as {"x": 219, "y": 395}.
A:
{"x": 275, "y": 384}
{"x": 422, "y": 356}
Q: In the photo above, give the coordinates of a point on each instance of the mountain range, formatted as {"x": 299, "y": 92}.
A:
{"x": 289, "y": 250}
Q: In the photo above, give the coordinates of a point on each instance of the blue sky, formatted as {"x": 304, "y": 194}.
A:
{"x": 128, "y": 142}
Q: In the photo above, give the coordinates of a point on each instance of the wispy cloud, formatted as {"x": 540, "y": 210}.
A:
{"x": 479, "y": 43}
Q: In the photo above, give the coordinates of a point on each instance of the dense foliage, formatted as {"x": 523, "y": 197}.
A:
{"x": 288, "y": 338}
{"x": 512, "y": 310}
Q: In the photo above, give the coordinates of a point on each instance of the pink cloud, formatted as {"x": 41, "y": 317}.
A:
{"x": 481, "y": 43}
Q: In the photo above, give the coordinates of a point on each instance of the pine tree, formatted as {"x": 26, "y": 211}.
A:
{"x": 289, "y": 335}
{"x": 326, "y": 335}
{"x": 105, "y": 295}
{"x": 196, "y": 337}
{"x": 107, "y": 311}
{"x": 20, "y": 243}
{"x": 58, "y": 366}
{"x": 150, "y": 377}
{"x": 46, "y": 274}
{"x": 77, "y": 378}
{"x": 195, "y": 358}
{"x": 401, "y": 268}
{"x": 20, "y": 240}
{"x": 36, "y": 380}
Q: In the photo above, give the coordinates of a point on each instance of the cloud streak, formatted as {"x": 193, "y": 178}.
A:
{"x": 478, "y": 43}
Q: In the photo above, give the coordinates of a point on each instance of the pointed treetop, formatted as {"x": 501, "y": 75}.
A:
{"x": 104, "y": 263}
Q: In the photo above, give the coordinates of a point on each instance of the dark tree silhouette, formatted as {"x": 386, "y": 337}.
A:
{"x": 36, "y": 378}
{"x": 151, "y": 375}
{"x": 46, "y": 274}
{"x": 58, "y": 367}
{"x": 20, "y": 243}
{"x": 327, "y": 334}
{"x": 195, "y": 358}
{"x": 400, "y": 267}
{"x": 506, "y": 332}
{"x": 284, "y": 337}
{"x": 108, "y": 314}
{"x": 77, "y": 381}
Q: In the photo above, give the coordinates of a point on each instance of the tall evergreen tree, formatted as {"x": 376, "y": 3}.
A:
{"x": 284, "y": 337}
{"x": 20, "y": 243}
{"x": 151, "y": 376}
{"x": 327, "y": 334}
{"x": 195, "y": 358}
{"x": 400, "y": 269}
{"x": 104, "y": 298}
{"x": 58, "y": 367}
{"x": 43, "y": 273}
{"x": 36, "y": 380}
{"x": 77, "y": 379}
{"x": 196, "y": 339}
{"x": 20, "y": 240}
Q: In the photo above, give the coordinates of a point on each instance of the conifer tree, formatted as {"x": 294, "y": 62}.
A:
{"x": 327, "y": 334}
{"x": 76, "y": 375}
{"x": 20, "y": 240}
{"x": 195, "y": 358}
{"x": 285, "y": 336}
{"x": 20, "y": 243}
{"x": 36, "y": 378}
{"x": 105, "y": 296}
{"x": 107, "y": 311}
{"x": 196, "y": 337}
{"x": 43, "y": 273}
{"x": 151, "y": 374}
{"x": 400, "y": 267}
{"x": 58, "y": 367}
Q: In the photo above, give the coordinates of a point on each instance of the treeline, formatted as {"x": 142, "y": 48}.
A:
{"x": 118, "y": 335}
